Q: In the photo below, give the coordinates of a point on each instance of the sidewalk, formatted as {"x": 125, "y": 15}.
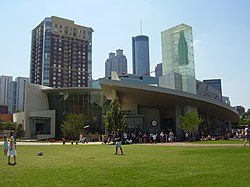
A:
{"x": 54, "y": 143}
{"x": 186, "y": 144}
{"x": 158, "y": 144}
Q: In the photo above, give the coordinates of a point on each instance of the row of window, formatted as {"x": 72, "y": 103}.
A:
{"x": 59, "y": 38}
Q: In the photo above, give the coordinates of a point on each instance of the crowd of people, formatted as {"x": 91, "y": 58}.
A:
{"x": 139, "y": 137}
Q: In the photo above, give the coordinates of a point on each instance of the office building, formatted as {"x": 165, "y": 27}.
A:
{"x": 16, "y": 94}
{"x": 158, "y": 70}
{"x": 216, "y": 83}
{"x": 61, "y": 54}
{"x": 12, "y": 97}
{"x": 178, "y": 55}
{"x": 4, "y": 84}
{"x": 140, "y": 55}
{"x": 116, "y": 62}
{"x": 241, "y": 110}
{"x": 3, "y": 109}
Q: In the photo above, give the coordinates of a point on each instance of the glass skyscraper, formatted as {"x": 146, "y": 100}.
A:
{"x": 61, "y": 54}
{"x": 140, "y": 55}
{"x": 178, "y": 55}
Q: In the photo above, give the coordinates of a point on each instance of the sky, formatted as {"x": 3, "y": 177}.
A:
{"x": 220, "y": 34}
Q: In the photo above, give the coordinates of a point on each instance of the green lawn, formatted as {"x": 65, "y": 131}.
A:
{"x": 237, "y": 141}
{"x": 141, "y": 165}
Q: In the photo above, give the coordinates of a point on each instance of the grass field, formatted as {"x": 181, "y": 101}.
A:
{"x": 236, "y": 141}
{"x": 141, "y": 165}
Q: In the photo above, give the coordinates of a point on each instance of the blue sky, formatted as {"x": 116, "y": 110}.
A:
{"x": 220, "y": 33}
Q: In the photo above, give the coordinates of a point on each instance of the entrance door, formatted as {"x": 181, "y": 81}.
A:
{"x": 167, "y": 124}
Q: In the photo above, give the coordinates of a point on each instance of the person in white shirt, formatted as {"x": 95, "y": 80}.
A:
{"x": 11, "y": 149}
{"x": 247, "y": 135}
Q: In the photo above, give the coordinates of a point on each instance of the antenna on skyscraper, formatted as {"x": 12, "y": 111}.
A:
{"x": 141, "y": 26}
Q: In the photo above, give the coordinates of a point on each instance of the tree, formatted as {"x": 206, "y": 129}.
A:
{"x": 244, "y": 120}
{"x": 190, "y": 122}
{"x": 20, "y": 132}
{"x": 73, "y": 125}
{"x": 115, "y": 118}
{"x": 7, "y": 126}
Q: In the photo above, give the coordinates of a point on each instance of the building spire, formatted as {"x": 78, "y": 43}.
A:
{"x": 141, "y": 26}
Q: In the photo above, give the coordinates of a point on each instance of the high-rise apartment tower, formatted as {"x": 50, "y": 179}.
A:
{"x": 61, "y": 54}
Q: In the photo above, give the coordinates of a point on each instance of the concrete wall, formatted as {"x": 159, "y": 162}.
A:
{"x": 48, "y": 114}
{"x": 150, "y": 115}
{"x": 36, "y": 105}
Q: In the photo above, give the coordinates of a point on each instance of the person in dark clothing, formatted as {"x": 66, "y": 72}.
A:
{"x": 118, "y": 142}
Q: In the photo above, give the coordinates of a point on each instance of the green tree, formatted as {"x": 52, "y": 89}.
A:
{"x": 190, "y": 122}
{"x": 20, "y": 132}
{"x": 244, "y": 121}
{"x": 73, "y": 126}
{"x": 8, "y": 126}
{"x": 115, "y": 118}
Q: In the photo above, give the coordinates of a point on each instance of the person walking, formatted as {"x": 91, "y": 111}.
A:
{"x": 247, "y": 135}
{"x": 11, "y": 149}
{"x": 5, "y": 145}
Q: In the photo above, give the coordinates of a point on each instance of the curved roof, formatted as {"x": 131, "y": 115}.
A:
{"x": 164, "y": 98}
{"x": 69, "y": 89}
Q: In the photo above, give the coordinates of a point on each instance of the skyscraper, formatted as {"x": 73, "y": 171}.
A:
{"x": 158, "y": 70}
{"x": 4, "y": 84}
{"x": 178, "y": 55}
{"x": 116, "y": 62}
{"x": 61, "y": 54}
{"x": 140, "y": 55}
{"x": 16, "y": 94}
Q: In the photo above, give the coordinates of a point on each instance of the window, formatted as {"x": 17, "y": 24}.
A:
{"x": 42, "y": 127}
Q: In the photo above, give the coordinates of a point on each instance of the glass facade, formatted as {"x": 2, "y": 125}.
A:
{"x": 12, "y": 97}
{"x": 39, "y": 125}
{"x": 216, "y": 83}
{"x": 140, "y": 55}
{"x": 46, "y": 52}
{"x": 90, "y": 57}
{"x": 178, "y": 55}
{"x": 90, "y": 102}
